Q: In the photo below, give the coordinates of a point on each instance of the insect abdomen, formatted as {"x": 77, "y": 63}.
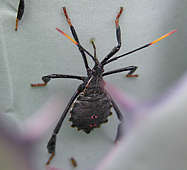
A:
{"x": 89, "y": 112}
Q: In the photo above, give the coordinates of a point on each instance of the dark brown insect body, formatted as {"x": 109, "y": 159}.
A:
{"x": 91, "y": 105}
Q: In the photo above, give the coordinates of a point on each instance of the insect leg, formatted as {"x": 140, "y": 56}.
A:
{"x": 76, "y": 39}
{"x": 20, "y": 12}
{"x": 94, "y": 47}
{"x": 73, "y": 162}
{"x": 131, "y": 70}
{"x": 47, "y": 78}
{"x": 120, "y": 117}
{"x": 52, "y": 142}
{"x": 118, "y": 35}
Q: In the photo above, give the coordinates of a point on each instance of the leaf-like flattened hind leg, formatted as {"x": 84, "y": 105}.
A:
{"x": 52, "y": 142}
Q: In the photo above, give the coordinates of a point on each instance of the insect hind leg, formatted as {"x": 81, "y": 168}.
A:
{"x": 52, "y": 142}
{"x": 121, "y": 124}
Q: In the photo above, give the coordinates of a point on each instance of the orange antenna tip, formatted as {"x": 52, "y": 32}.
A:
{"x": 162, "y": 37}
{"x": 67, "y": 36}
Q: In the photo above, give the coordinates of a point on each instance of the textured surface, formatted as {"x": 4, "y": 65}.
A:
{"x": 92, "y": 107}
{"x": 37, "y": 49}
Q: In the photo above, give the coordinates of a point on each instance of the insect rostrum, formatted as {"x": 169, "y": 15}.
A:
{"x": 91, "y": 105}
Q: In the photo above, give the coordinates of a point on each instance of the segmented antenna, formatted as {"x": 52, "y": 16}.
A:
{"x": 67, "y": 36}
{"x": 75, "y": 42}
{"x": 144, "y": 46}
{"x": 162, "y": 37}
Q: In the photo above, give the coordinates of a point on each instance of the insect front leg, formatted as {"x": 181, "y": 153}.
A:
{"x": 118, "y": 35}
{"x": 52, "y": 142}
{"x": 121, "y": 118}
{"x": 47, "y": 78}
{"x": 131, "y": 70}
{"x": 76, "y": 39}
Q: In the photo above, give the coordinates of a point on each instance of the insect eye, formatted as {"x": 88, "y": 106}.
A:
{"x": 94, "y": 116}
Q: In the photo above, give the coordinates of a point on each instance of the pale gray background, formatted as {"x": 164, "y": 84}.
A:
{"x": 38, "y": 49}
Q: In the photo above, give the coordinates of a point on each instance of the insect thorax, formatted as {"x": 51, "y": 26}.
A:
{"x": 91, "y": 108}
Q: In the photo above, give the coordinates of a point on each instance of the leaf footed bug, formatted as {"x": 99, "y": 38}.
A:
{"x": 91, "y": 105}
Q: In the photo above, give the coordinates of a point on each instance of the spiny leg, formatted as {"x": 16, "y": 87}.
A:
{"x": 131, "y": 70}
{"x": 19, "y": 13}
{"x": 52, "y": 142}
{"x": 121, "y": 124}
{"x": 47, "y": 78}
{"x": 118, "y": 35}
{"x": 76, "y": 39}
